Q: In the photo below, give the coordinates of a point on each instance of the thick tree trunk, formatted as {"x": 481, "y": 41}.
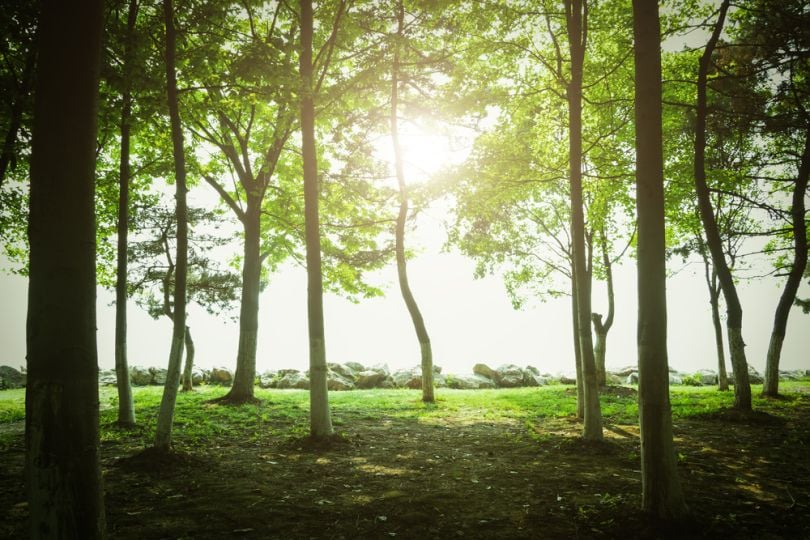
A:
{"x": 797, "y": 211}
{"x": 8, "y": 155}
{"x": 592, "y": 424}
{"x": 577, "y": 350}
{"x": 244, "y": 380}
{"x": 63, "y": 477}
{"x": 661, "y": 492}
{"x": 126, "y": 407}
{"x": 163, "y": 431}
{"x": 320, "y": 417}
{"x": 402, "y": 271}
{"x": 188, "y": 384}
{"x": 742, "y": 387}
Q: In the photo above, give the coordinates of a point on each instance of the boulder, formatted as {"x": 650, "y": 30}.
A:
{"x": 221, "y": 375}
{"x": 293, "y": 379}
{"x": 380, "y": 368}
{"x": 485, "y": 371}
{"x": 343, "y": 370}
{"x": 11, "y": 378}
{"x": 469, "y": 382}
{"x": 408, "y": 378}
{"x": 624, "y": 372}
{"x": 355, "y": 366}
{"x": 675, "y": 379}
{"x": 198, "y": 376}
{"x": 510, "y": 376}
{"x": 632, "y": 378}
{"x": 706, "y": 376}
{"x": 388, "y": 382}
{"x": 370, "y": 379}
{"x": 140, "y": 376}
{"x": 793, "y": 375}
{"x": 336, "y": 381}
{"x": 158, "y": 375}
{"x": 567, "y": 378}
{"x": 107, "y": 377}
{"x": 754, "y": 377}
{"x": 613, "y": 379}
{"x": 267, "y": 379}
{"x": 533, "y": 370}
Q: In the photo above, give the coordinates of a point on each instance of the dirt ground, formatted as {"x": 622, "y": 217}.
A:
{"x": 744, "y": 477}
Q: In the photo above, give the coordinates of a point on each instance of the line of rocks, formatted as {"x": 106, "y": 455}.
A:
{"x": 352, "y": 375}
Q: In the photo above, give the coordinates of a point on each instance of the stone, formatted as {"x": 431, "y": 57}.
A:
{"x": 613, "y": 379}
{"x": 675, "y": 379}
{"x": 336, "y": 381}
{"x": 380, "y": 368}
{"x": 198, "y": 376}
{"x": 792, "y": 375}
{"x": 533, "y": 370}
{"x": 107, "y": 377}
{"x": 469, "y": 382}
{"x": 158, "y": 375}
{"x": 485, "y": 371}
{"x": 510, "y": 376}
{"x": 11, "y": 378}
{"x": 370, "y": 379}
{"x": 706, "y": 376}
{"x": 566, "y": 378}
{"x": 343, "y": 370}
{"x": 268, "y": 379}
{"x": 754, "y": 377}
{"x": 221, "y": 375}
{"x": 632, "y": 378}
{"x": 388, "y": 382}
{"x": 140, "y": 376}
{"x": 293, "y": 379}
{"x": 355, "y": 366}
{"x": 408, "y": 378}
{"x": 625, "y": 371}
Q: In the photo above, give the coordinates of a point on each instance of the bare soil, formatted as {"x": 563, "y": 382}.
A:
{"x": 745, "y": 476}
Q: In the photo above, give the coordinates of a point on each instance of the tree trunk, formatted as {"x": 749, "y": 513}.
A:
{"x": 163, "y": 432}
{"x": 244, "y": 379}
{"x": 62, "y": 472}
{"x": 661, "y": 494}
{"x": 188, "y": 384}
{"x": 8, "y": 155}
{"x": 320, "y": 417}
{"x": 602, "y": 328}
{"x": 797, "y": 211}
{"x": 577, "y": 30}
{"x": 126, "y": 408}
{"x": 714, "y": 300}
{"x": 402, "y": 271}
{"x": 577, "y": 350}
{"x": 742, "y": 387}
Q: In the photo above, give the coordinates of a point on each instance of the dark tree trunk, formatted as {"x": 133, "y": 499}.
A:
{"x": 163, "y": 432}
{"x": 402, "y": 270}
{"x": 601, "y": 328}
{"x": 320, "y": 417}
{"x": 8, "y": 155}
{"x": 577, "y": 351}
{"x": 577, "y": 37}
{"x": 244, "y": 379}
{"x": 188, "y": 384}
{"x": 126, "y": 408}
{"x": 742, "y": 387}
{"x": 661, "y": 493}
{"x": 63, "y": 477}
{"x": 714, "y": 301}
{"x": 797, "y": 212}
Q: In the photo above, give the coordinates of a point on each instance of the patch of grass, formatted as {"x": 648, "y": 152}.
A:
{"x": 12, "y": 405}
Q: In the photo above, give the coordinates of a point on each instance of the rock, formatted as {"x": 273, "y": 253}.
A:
{"x": 221, "y": 375}
{"x": 625, "y": 371}
{"x": 706, "y": 376}
{"x": 107, "y": 377}
{"x": 754, "y": 377}
{"x": 198, "y": 376}
{"x": 533, "y": 370}
{"x": 380, "y": 368}
{"x": 675, "y": 379}
{"x": 293, "y": 379}
{"x": 510, "y": 376}
{"x": 485, "y": 371}
{"x": 408, "y": 378}
{"x": 567, "y": 379}
{"x": 534, "y": 379}
{"x": 140, "y": 376}
{"x": 158, "y": 376}
{"x": 336, "y": 381}
{"x": 469, "y": 382}
{"x": 613, "y": 379}
{"x": 793, "y": 375}
{"x": 388, "y": 382}
{"x": 355, "y": 366}
{"x": 632, "y": 378}
{"x": 370, "y": 379}
{"x": 267, "y": 379}
{"x": 436, "y": 370}
{"x": 343, "y": 370}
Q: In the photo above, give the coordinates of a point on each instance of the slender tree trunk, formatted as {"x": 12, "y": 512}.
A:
{"x": 742, "y": 387}
{"x": 577, "y": 31}
{"x": 602, "y": 328}
{"x": 661, "y": 493}
{"x": 244, "y": 380}
{"x": 8, "y": 155}
{"x": 797, "y": 212}
{"x": 402, "y": 271}
{"x": 714, "y": 301}
{"x": 62, "y": 472}
{"x": 188, "y": 384}
{"x": 320, "y": 417}
{"x": 577, "y": 350}
{"x": 163, "y": 432}
{"x": 126, "y": 407}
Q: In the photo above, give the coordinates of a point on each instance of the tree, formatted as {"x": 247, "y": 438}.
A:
{"x": 661, "y": 494}
{"x": 163, "y": 432}
{"x": 742, "y": 386}
{"x": 63, "y": 476}
{"x": 320, "y": 417}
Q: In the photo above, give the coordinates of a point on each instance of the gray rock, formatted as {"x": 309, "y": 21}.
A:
{"x": 706, "y": 376}
{"x": 158, "y": 375}
{"x": 567, "y": 379}
{"x": 140, "y": 376}
{"x": 533, "y": 370}
{"x": 612, "y": 378}
{"x": 343, "y": 370}
{"x": 355, "y": 366}
{"x": 469, "y": 382}
{"x": 198, "y": 376}
{"x": 370, "y": 379}
{"x": 294, "y": 379}
{"x": 388, "y": 382}
{"x": 336, "y": 381}
{"x": 380, "y": 368}
{"x": 510, "y": 376}
{"x": 221, "y": 375}
{"x": 107, "y": 377}
{"x": 485, "y": 371}
{"x": 675, "y": 379}
{"x": 631, "y": 378}
{"x": 754, "y": 377}
{"x": 625, "y": 371}
{"x": 268, "y": 379}
{"x": 408, "y": 378}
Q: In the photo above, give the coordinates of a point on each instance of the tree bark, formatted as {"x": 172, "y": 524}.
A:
{"x": 577, "y": 32}
{"x": 797, "y": 212}
{"x": 163, "y": 431}
{"x": 602, "y": 328}
{"x": 577, "y": 350}
{"x": 742, "y": 387}
{"x": 126, "y": 407}
{"x": 402, "y": 271}
{"x": 62, "y": 472}
{"x": 714, "y": 301}
{"x": 188, "y": 384}
{"x": 661, "y": 493}
{"x": 320, "y": 417}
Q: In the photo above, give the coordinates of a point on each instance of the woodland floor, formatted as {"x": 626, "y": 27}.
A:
{"x": 442, "y": 472}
